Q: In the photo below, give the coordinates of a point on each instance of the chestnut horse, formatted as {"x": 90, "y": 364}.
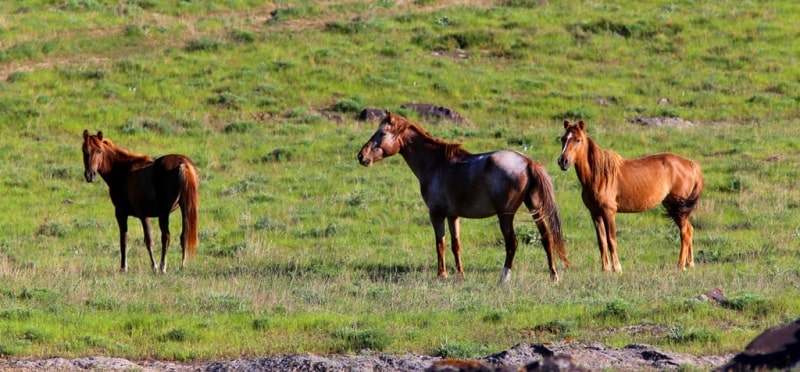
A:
{"x": 455, "y": 183}
{"x": 142, "y": 187}
{"x": 612, "y": 184}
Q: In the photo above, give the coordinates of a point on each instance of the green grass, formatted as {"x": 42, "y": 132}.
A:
{"x": 303, "y": 250}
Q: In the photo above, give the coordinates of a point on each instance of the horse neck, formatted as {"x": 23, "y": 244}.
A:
{"x": 424, "y": 154}
{"x": 599, "y": 166}
{"x": 118, "y": 160}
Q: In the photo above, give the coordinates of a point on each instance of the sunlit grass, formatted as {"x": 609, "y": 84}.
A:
{"x": 303, "y": 250}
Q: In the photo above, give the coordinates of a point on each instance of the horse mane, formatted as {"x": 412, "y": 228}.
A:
{"x": 125, "y": 156}
{"x": 450, "y": 150}
{"x": 604, "y": 163}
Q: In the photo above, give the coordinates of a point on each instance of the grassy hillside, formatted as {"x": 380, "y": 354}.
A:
{"x": 310, "y": 252}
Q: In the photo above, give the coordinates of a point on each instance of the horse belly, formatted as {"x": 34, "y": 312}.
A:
{"x": 641, "y": 198}
{"x": 462, "y": 199}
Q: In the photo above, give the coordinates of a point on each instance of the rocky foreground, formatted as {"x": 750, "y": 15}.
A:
{"x": 580, "y": 356}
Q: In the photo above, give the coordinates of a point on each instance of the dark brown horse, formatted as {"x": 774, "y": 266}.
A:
{"x": 455, "y": 183}
{"x": 612, "y": 184}
{"x": 142, "y": 187}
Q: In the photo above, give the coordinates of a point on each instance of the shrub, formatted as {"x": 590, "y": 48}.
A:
{"x": 15, "y": 313}
{"x": 348, "y": 105}
{"x": 749, "y": 303}
{"x": 555, "y": 327}
{"x": 682, "y": 336}
{"x": 240, "y": 127}
{"x": 203, "y": 45}
{"x": 354, "y": 340}
{"x": 242, "y": 36}
{"x": 260, "y": 324}
{"x": 495, "y": 316}
{"x": 616, "y": 309}
{"x": 176, "y": 334}
{"x": 452, "y": 350}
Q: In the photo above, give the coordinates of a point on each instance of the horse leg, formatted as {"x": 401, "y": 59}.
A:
{"x": 611, "y": 230}
{"x": 602, "y": 241}
{"x": 686, "y": 257}
{"x": 547, "y": 244}
{"x": 122, "y": 222}
{"x": 163, "y": 224}
{"x": 455, "y": 240}
{"x": 507, "y": 228}
{"x": 148, "y": 241}
{"x": 438, "y": 231}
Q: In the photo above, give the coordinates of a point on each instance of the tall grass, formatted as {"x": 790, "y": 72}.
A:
{"x": 302, "y": 250}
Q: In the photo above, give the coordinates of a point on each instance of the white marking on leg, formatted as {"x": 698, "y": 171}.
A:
{"x": 505, "y": 278}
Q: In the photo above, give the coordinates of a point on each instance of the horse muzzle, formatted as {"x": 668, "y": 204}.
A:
{"x": 563, "y": 163}
{"x": 364, "y": 161}
{"x": 89, "y": 176}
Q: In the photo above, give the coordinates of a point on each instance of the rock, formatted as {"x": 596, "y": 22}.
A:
{"x": 430, "y": 111}
{"x": 714, "y": 296}
{"x": 775, "y": 348}
{"x": 371, "y": 114}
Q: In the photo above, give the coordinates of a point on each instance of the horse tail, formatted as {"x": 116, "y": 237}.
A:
{"x": 540, "y": 188}
{"x": 686, "y": 206}
{"x": 189, "y": 194}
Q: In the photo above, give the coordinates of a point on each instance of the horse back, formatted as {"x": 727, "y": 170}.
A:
{"x": 480, "y": 185}
{"x": 152, "y": 190}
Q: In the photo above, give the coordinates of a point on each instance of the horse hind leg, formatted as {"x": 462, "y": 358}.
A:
{"x": 686, "y": 257}
{"x": 163, "y": 224}
{"x": 510, "y": 238}
{"x": 681, "y": 218}
{"x": 547, "y": 244}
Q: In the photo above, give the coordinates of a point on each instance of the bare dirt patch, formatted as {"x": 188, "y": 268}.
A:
{"x": 588, "y": 355}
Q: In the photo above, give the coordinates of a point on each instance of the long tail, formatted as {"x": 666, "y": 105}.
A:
{"x": 189, "y": 205}
{"x": 542, "y": 186}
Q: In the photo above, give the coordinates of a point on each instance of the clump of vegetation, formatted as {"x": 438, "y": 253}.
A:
{"x": 356, "y": 339}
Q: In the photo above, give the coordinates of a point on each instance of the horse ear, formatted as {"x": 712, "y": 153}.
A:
{"x": 581, "y": 125}
{"x": 85, "y": 134}
{"x": 566, "y": 124}
{"x": 100, "y": 134}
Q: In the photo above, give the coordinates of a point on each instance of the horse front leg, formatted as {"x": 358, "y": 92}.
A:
{"x": 602, "y": 242}
{"x": 438, "y": 231}
{"x": 455, "y": 242}
{"x": 122, "y": 222}
{"x": 163, "y": 224}
{"x": 611, "y": 230}
{"x": 148, "y": 241}
{"x": 510, "y": 238}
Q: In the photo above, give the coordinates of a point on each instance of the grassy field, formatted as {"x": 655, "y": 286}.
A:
{"x": 303, "y": 250}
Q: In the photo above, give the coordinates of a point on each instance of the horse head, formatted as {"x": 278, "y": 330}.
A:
{"x": 92, "y": 154}
{"x": 573, "y": 144}
{"x": 385, "y": 142}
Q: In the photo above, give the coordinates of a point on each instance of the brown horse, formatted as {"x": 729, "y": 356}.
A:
{"x": 455, "y": 183}
{"x": 612, "y": 184}
{"x": 142, "y": 187}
